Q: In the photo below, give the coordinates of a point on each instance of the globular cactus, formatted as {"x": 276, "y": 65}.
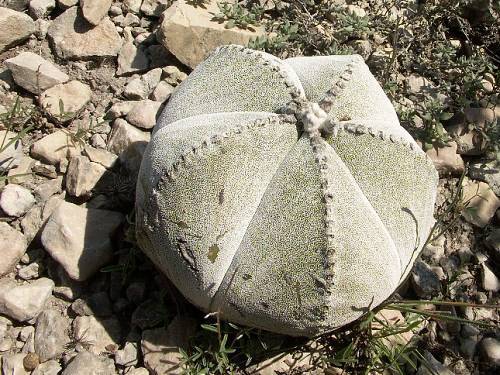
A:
{"x": 283, "y": 194}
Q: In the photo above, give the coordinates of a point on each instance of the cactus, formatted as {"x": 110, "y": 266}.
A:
{"x": 283, "y": 194}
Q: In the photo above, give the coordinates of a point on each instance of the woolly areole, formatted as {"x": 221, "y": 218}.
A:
{"x": 283, "y": 193}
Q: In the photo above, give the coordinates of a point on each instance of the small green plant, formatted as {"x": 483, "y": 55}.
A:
{"x": 490, "y": 132}
{"x": 433, "y": 133}
{"x": 238, "y": 15}
{"x": 19, "y": 121}
{"x": 79, "y": 340}
{"x": 225, "y": 348}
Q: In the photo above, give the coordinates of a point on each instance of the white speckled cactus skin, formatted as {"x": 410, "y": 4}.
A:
{"x": 278, "y": 212}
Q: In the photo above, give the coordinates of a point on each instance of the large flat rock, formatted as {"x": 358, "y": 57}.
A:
{"x": 73, "y": 37}
{"x": 80, "y": 239}
{"x": 190, "y": 33}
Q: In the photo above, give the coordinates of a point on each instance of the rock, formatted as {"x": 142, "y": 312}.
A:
{"x": 190, "y": 33}
{"x": 86, "y": 363}
{"x": 83, "y": 176}
{"x": 138, "y": 371}
{"x": 22, "y": 172}
{"x": 298, "y": 363}
{"x": 356, "y": 10}
{"x": 468, "y": 347}
{"x": 95, "y": 10}
{"x": 435, "y": 250}
{"x": 47, "y": 189}
{"x": 142, "y": 87}
{"x": 24, "y": 302}
{"x": 33, "y": 73}
{"x": 65, "y": 4}
{"x": 131, "y": 20}
{"x": 362, "y": 47}
{"x": 16, "y": 200}
{"x": 489, "y": 281}
{"x": 488, "y": 172}
{"x": 160, "y": 347}
{"x": 45, "y": 170}
{"x": 18, "y": 5}
{"x": 16, "y": 27}
{"x": 394, "y": 319}
{"x": 148, "y": 314}
{"x": 154, "y": 8}
{"x": 489, "y": 348}
{"x": 127, "y": 356}
{"x": 29, "y": 272}
{"x": 98, "y": 141}
{"x": 31, "y": 361}
{"x": 466, "y": 128}
{"x": 13, "y": 364}
{"x": 493, "y": 242}
{"x": 80, "y": 238}
{"x": 97, "y": 304}
{"x": 120, "y": 109}
{"x": 432, "y": 366}
{"x": 115, "y": 10}
{"x": 157, "y": 53}
{"x": 162, "y": 92}
{"x": 131, "y": 59}
{"x": 41, "y": 8}
{"x": 55, "y": 147}
{"x": 31, "y": 223}
{"x": 129, "y": 143}
{"x": 51, "y": 367}
{"x": 417, "y": 84}
{"x": 144, "y": 114}
{"x": 105, "y": 158}
{"x": 12, "y": 247}
{"x": 425, "y": 282}
{"x": 12, "y": 154}
{"x": 481, "y": 203}
{"x": 173, "y": 75}
{"x": 446, "y": 159}
{"x": 136, "y": 291}
{"x": 51, "y": 334}
{"x": 71, "y": 96}
{"x": 132, "y": 6}
{"x": 98, "y": 334}
{"x": 73, "y": 37}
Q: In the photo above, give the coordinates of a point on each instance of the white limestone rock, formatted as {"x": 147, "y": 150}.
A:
{"x": 144, "y": 114}
{"x": 41, "y": 8}
{"x": 73, "y": 37}
{"x": 55, "y": 148}
{"x": 16, "y": 200}
{"x": 131, "y": 59}
{"x": 83, "y": 176}
{"x": 24, "y": 302}
{"x": 95, "y": 10}
{"x": 86, "y": 363}
{"x": 191, "y": 33}
{"x": 80, "y": 239}
{"x": 12, "y": 247}
{"x": 65, "y": 100}
{"x": 15, "y": 28}
{"x": 33, "y": 73}
{"x": 98, "y": 333}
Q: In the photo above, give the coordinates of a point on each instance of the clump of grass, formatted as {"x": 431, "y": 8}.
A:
{"x": 20, "y": 121}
